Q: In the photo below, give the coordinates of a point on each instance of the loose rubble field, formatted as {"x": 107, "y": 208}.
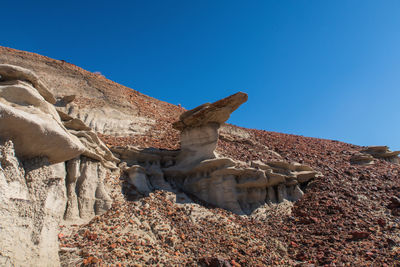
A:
{"x": 348, "y": 217}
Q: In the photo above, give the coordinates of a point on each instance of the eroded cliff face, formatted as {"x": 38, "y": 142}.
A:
{"x": 32, "y": 204}
{"x": 52, "y": 169}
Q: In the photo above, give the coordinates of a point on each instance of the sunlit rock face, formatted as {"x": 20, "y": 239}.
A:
{"x": 223, "y": 182}
{"x": 197, "y": 169}
{"x": 199, "y": 129}
{"x": 52, "y": 170}
{"x": 30, "y": 120}
{"x": 198, "y": 144}
{"x": 32, "y": 203}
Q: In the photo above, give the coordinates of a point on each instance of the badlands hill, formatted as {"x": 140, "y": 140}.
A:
{"x": 95, "y": 173}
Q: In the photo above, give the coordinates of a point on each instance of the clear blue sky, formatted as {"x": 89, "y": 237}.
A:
{"x": 328, "y": 69}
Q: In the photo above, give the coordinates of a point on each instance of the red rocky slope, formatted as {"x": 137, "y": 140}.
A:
{"x": 348, "y": 217}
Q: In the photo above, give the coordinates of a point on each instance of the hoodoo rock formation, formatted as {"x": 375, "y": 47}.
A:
{"x": 232, "y": 185}
{"x": 196, "y": 168}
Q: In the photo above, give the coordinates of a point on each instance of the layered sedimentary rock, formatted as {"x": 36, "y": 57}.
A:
{"x": 362, "y": 159}
{"x": 197, "y": 169}
{"x": 382, "y": 152}
{"x": 144, "y": 168}
{"x": 94, "y": 147}
{"x": 14, "y": 73}
{"x": 226, "y": 183}
{"x": 367, "y": 155}
{"x": 52, "y": 167}
{"x": 199, "y": 128}
{"x": 86, "y": 173}
{"x": 86, "y": 191}
{"x": 31, "y": 122}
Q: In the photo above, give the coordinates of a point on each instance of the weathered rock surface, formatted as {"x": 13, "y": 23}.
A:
{"x": 229, "y": 184}
{"x": 383, "y": 152}
{"x": 199, "y": 129}
{"x": 31, "y": 122}
{"x": 32, "y": 203}
{"x": 86, "y": 192}
{"x": 349, "y": 200}
{"x": 217, "y": 112}
{"x": 94, "y": 147}
{"x": 362, "y": 159}
{"x": 144, "y": 168}
{"x": 12, "y": 73}
{"x": 61, "y": 173}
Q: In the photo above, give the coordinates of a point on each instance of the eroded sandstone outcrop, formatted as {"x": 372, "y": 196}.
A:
{"x": 382, "y": 152}
{"x": 52, "y": 167}
{"x": 32, "y": 203}
{"x": 367, "y": 155}
{"x": 232, "y": 185}
{"x": 86, "y": 191}
{"x": 31, "y": 122}
{"x": 144, "y": 168}
{"x": 199, "y": 128}
{"x": 196, "y": 168}
{"x": 362, "y": 159}
{"x": 13, "y": 73}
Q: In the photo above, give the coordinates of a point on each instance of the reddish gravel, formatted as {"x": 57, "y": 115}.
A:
{"x": 345, "y": 218}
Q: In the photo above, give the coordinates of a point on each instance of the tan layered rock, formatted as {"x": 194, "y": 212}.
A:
{"x": 12, "y": 73}
{"x": 144, "y": 168}
{"x": 31, "y": 122}
{"x": 226, "y": 183}
{"x": 199, "y": 128}
{"x": 86, "y": 191}
{"x": 383, "y": 152}
{"x": 217, "y": 112}
{"x": 362, "y": 159}
{"x": 37, "y": 188}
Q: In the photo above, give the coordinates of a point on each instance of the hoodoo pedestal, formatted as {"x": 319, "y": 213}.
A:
{"x": 226, "y": 183}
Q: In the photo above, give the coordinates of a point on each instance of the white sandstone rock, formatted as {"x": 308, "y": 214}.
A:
{"x": 32, "y": 123}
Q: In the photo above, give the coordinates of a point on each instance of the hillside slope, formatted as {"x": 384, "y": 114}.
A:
{"x": 348, "y": 216}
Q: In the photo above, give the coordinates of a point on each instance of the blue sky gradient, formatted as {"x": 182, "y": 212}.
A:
{"x": 327, "y": 69}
